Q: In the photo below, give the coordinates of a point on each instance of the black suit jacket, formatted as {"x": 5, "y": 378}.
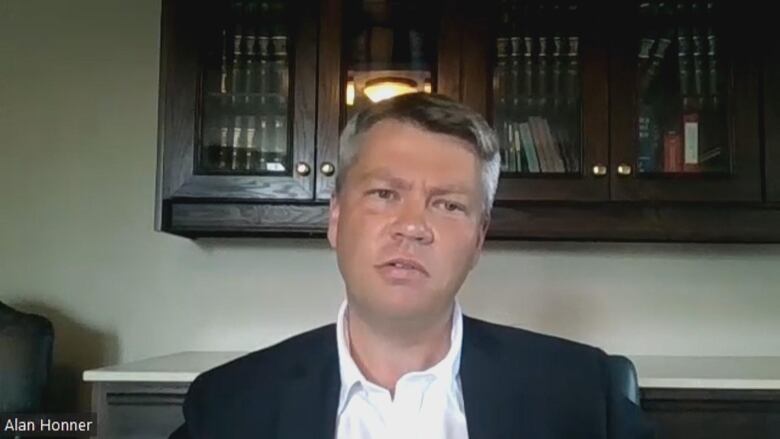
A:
{"x": 516, "y": 384}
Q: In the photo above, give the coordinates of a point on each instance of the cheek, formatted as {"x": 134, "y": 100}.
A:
{"x": 359, "y": 231}
{"x": 457, "y": 243}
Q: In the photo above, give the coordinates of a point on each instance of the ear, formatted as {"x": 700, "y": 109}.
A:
{"x": 333, "y": 220}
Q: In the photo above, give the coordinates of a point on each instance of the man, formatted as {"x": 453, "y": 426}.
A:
{"x": 408, "y": 218}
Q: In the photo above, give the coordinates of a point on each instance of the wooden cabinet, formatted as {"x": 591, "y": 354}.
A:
{"x": 713, "y": 413}
{"x": 685, "y": 397}
{"x": 610, "y": 97}
{"x": 539, "y": 75}
{"x": 153, "y": 410}
{"x": 658, "y": 139}
{"x": 150, "y": 410}
{"x": 699, "y": 96}
{"x": 238, "y": 93}
{"x": 658, "y": 126}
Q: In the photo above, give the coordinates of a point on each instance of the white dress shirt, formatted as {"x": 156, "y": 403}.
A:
{"x": 427, "y": 404}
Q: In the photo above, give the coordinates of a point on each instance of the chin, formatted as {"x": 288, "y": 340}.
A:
{"x": 403, "y": 303}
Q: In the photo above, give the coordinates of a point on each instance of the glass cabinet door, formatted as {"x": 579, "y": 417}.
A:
{"x": 682, "y": 124}
{"x": 373, "y": 49}
{"x": 691, "y": 80}
{"x": 537, "y": 80}
{"x": 547, "y": 89}
{"x": 246, "y": 112}
{"x": 239, "y": 107}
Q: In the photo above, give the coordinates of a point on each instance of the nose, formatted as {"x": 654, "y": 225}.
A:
{"x": 411, "y": 223}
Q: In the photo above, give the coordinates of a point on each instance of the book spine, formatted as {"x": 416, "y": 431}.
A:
{"x": 507, "y": 164}
{"x": 691, "y": 136}
{"x": 517, "y": 152}
{"x": 554, "y": 150}
{"x": 529, "y": 147}
{"x": 648, "y": 140}
{"x": 673, "y": 154}
{"x": 542, "y": 151}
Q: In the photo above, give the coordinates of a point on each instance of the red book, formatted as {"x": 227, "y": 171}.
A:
{"x": 673, "y": 152}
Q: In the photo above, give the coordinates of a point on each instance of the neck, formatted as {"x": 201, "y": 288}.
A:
{"x": 386, "y": 352}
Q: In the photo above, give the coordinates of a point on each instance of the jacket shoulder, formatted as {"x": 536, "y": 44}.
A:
{"x": 551, "y": 354}
{"x": 299, "y": 348}
{"x": 260, "y": 373}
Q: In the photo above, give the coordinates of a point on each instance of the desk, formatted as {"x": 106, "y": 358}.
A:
{"x": 687, "y": 397}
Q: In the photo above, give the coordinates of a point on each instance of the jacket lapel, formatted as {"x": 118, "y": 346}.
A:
{"x": 494, "y": 408}
{"x": 310, "y": 400}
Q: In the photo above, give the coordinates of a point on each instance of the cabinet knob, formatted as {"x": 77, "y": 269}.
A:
{"x": 328, "y": 169}
{"x": 624, "y": 169}
{"x": 303, "y": 168}
{"x": 599, "y": 170}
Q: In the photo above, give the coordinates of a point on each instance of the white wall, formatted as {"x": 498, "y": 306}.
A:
{"x": 78, "y": 120}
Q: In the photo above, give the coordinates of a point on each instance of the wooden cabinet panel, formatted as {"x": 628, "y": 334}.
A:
{"x": 713, "y": 414}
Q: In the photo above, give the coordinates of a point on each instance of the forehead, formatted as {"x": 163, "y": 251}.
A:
{"x": 408, "y": 150}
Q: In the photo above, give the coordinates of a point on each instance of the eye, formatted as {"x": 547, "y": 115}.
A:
{"x": 384, "y": 194}
{"x": 451, "y": 206}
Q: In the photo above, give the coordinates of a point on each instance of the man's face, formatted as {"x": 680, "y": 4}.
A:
{"x": 407, "y": 225}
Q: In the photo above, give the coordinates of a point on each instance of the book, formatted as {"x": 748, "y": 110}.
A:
{"x": 552, "y": 145}
{"x": 691, "y": 141}
{"x": 528, "y": 88}
{"x": 698, "y": 65}
{"x": 529, "y": 148}
{"x": 506, "y": 148}
{"x": 517, "y": 152}
{"x": 556, "y": 71}
{"x": 545, "y": 163}
{"x": 655, "y": 63}
{"x": 648, "y": 140}
{"x": 541, "y": 83}
{"x": 712, "y": 64}
{"x": 545, "y": 143}
{"x": 673, "y": 152}
{"x": 682, "y": 63}
{"x": 572, "y": 72}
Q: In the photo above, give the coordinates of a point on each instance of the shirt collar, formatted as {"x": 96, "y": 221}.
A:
{"x": 445, "y": 370}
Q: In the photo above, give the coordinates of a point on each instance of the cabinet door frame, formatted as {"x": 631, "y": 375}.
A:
{"x": 742, "y": 184}
{"x": 477, "y": 43}
{"x": 181, "y": 73}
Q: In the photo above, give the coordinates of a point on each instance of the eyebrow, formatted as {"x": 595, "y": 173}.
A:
{"x": 399, "y": 183}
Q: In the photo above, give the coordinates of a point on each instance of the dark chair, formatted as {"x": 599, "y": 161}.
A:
{"x": 623, "y": 376}
{"x": 26, "y": 343}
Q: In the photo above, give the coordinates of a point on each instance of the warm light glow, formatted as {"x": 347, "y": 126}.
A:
{"x": 350, "y": 92}
{"x": 427, "y": 86}
{"x": 380, "y": 90}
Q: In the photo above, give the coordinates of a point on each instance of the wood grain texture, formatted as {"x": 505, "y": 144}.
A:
{"x": 448, "y": 80}
{"x": 476, "y": 46}
{"x": 217, "y": 219}
{"x": 632, "y": 222}
{"x": 304, "y": 98}
{"x": 713, "y": 414}
{"x": 329, "y": 103}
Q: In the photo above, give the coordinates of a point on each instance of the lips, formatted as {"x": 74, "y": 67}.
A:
{"x": 404, "y": 264}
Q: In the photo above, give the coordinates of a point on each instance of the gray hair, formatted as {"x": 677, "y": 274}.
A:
{"x": 434, "y": 113}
